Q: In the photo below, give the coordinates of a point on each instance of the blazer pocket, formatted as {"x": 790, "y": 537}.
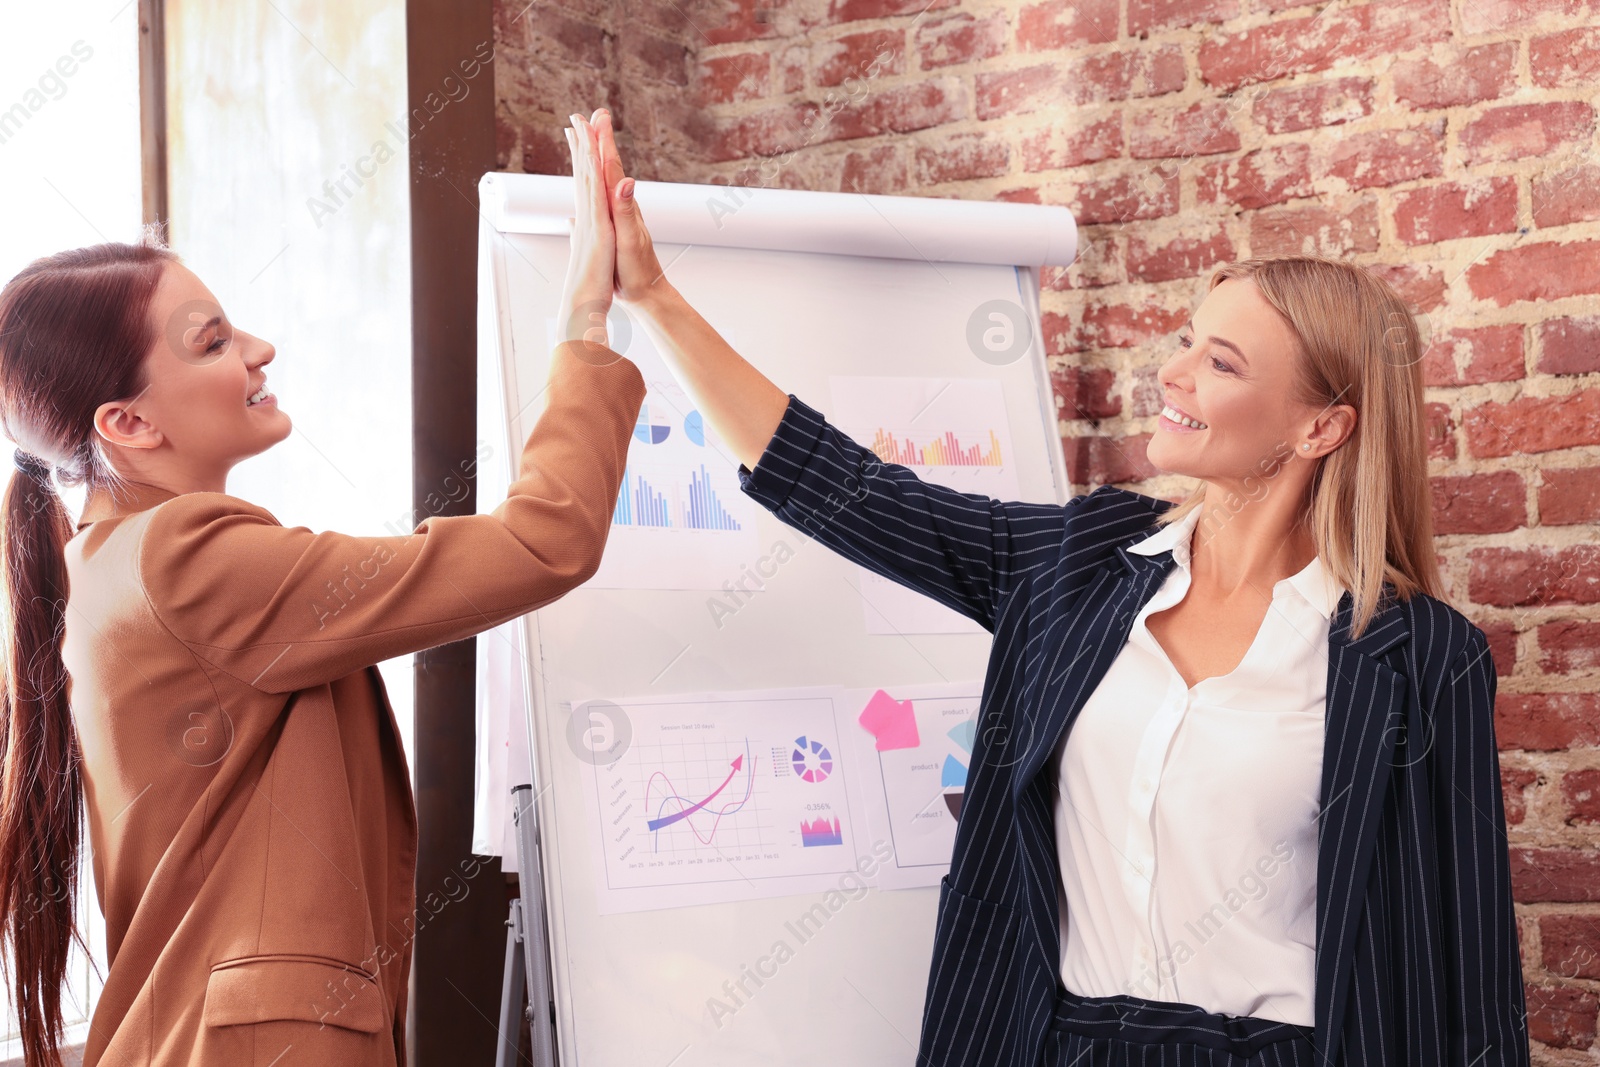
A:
{"x": 256, "y": 989}
{"x": 971, "y": 989}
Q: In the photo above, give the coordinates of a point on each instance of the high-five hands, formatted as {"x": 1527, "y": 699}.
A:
{"x": 738, "y": 402}
{"x": 638, "y": 273}
{"x": 591, "y": 267}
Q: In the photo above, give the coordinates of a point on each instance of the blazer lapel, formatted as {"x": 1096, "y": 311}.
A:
{"x": 1366, "y": 710}
{"x": 1081, "y": 641}
{"x": 1366, "y": 713}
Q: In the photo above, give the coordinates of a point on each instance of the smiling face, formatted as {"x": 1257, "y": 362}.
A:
{"x": 1234, "y": 373}
{"x": 193, "y": 421}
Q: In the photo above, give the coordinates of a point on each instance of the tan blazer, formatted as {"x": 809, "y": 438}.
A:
{"x": 253, "y": 835}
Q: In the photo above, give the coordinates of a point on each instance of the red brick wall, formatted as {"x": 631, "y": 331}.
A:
{"x": 1450, "y": 144}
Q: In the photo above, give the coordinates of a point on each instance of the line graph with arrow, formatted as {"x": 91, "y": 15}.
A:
{"x": 684, "y": 813}
{"x": 741, "y": 791}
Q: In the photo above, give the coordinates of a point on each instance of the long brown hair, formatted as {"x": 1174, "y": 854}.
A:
{"x": 74, "y": 332}
{"x": 1371, "y": 506}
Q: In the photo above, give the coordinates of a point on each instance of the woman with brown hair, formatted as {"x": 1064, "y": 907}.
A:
{"x": 1235, "y": 796}
{"x": 200, "y": 679}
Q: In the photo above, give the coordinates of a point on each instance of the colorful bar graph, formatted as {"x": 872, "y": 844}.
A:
{"x": 945, "y": 450}
{"x": 705, "y": 511}
{"x": 623, "y": 513}
{"x": 641, "y": 504}
{"x": 821, "y": 831}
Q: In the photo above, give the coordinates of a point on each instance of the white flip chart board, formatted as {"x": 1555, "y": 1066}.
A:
{"x": 853, "y": 303}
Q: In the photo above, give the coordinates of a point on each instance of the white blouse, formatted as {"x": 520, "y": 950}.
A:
{"x": 1186, "y": 818}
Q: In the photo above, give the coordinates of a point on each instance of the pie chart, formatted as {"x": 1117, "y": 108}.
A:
{"x": 811, "y": 759}
{"x": 651, "y": 433}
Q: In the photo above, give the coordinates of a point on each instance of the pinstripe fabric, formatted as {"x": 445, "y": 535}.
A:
{"x": 1417, "y": 958}
{"x": 1130, "y": 1031}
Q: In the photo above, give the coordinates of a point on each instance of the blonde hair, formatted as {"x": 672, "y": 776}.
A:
{"x": 1371, "y": 510}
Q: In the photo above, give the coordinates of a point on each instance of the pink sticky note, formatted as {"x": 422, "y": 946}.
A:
{"x": 891, "y": 721}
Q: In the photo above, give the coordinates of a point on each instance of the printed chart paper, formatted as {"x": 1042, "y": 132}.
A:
{"x": 715, "y": 797}
{"x": 681, "y": 521}
{"x": 915, "y": 745}
{"x": 718, "y": 797}
{"x": 952, "y": 431}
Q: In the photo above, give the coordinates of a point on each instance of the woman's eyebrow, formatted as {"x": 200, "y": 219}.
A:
{"x": 1224, "y": 342}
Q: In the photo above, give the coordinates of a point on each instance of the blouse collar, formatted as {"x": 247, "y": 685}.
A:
{"x": 1313, "y": 581}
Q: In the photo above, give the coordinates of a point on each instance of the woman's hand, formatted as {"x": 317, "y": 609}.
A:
{"x": 639, "y": 275}
{"x": 738, "y": 401}
{"x": 591, "y": 269}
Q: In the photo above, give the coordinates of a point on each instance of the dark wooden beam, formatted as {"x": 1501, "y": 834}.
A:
{"x": 153, "y": 109}
{"x": 456, "y": 968}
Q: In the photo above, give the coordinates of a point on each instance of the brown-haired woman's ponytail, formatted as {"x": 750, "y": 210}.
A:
{"x": 41, "y": 799}
{"x": 74, "y": 334}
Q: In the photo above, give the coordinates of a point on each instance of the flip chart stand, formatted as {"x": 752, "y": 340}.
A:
{"x": 525, "y": 989}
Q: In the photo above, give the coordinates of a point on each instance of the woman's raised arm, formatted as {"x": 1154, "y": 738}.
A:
{"x": 284, "y": 608}
{"x": 742, "y": 403}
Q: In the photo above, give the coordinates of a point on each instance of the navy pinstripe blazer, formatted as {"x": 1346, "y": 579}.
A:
{"x": 1417, "y": 957}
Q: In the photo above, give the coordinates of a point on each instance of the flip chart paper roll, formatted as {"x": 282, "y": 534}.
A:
{"x": 850, "y": 224}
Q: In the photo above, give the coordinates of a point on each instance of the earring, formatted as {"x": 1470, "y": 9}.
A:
{"x": 1305, "y": 448}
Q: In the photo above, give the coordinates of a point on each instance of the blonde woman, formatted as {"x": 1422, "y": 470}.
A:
{"x": 1235, "y": 797}
{"x": 199, "y": 680}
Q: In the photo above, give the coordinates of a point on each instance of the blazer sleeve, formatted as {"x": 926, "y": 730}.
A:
{"x": 964, "y": 550}
{"x": 283, "y": 609}
{"x": 1485, "y": 1012}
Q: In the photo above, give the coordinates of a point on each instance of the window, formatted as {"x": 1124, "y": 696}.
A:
{"x": 313, "y": 136}
{"x": 288, "y": 197}
{"x": 69, "y": 175}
